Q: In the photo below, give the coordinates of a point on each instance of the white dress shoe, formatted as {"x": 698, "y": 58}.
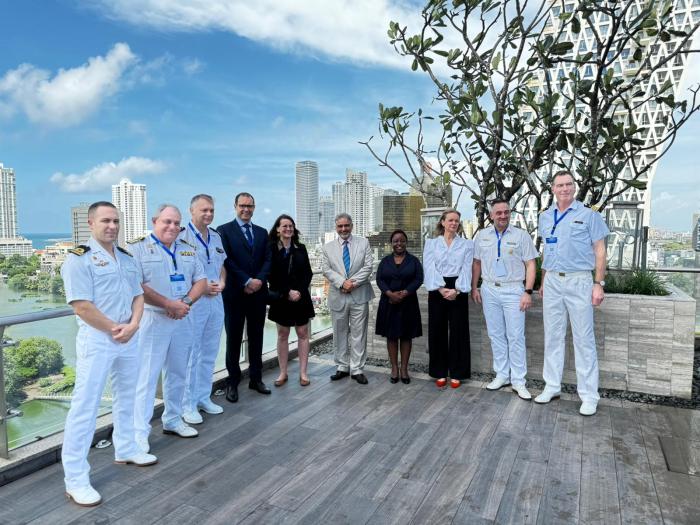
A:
{"x": 142, "y": 444}
{"x": 193, "y": 418}
{"x": 497, "y": 384}
{"x": 546, "y": 397}
{"x": 210, "y": 407}
{"x": 522, "y": 392}
{"x": 182, "y": 430}
{"x": 588, "y": 408}
{"x": 84, "y": 496}
{"x": 140, "y": 460}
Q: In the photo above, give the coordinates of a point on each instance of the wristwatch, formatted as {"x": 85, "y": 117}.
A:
{"x": 187, "y": 300}
{"x": 528, "y": 291}
{"x": 602, "y": 283}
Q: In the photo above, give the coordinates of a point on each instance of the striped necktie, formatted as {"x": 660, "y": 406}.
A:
{"x": 346, "y": 258}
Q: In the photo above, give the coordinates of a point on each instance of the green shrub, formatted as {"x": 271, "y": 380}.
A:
{"x": 45, "y": 381}
{"x": 638, "y": 282}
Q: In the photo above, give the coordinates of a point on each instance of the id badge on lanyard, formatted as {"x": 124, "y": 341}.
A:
{"x": 550, "y": 246}
{"x": 499, "y": 269}
{"x": 178, "y": 286}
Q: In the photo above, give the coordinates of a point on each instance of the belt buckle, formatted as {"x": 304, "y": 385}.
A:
{"x": 497, "y": 284}
{"x": 562, "y": 274}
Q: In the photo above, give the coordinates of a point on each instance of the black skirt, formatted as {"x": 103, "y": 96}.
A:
{"x": 287, "y": 313}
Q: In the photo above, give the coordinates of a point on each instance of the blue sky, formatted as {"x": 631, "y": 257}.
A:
{"x": 216, "y": 97}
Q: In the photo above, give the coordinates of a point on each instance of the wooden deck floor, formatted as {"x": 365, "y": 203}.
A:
{"x": 382, "y": 453}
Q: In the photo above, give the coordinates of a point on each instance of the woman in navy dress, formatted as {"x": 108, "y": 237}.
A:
{"x": 399, "y": 275}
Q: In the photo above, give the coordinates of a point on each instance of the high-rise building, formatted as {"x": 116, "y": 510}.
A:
{"x": 307, "y": 200}
{"x": 8, "y": 203}
{"x": 376, "y": 212}
{"x": 399, "y": 212}
{"x": 357, "y": 200}
{"x": 695, "y": 231}
{"x": 326, "y": 215}
{"x": 79, "y": 221}
{"x": 652, "y": 116}
{"x": 338, "y": 197}
{"x": 130, "y": 199}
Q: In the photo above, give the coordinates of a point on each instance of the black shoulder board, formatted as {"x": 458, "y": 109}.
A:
{"x": 213, "y": 230}
{"x": 183, "y": 241}
{"x": 124, "y": 251}
{"x": 80, "y": 250}
{"x": 182, "y": 229}
{"x": 138, "y": 239}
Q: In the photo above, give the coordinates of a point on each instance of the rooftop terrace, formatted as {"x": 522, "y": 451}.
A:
{"x": 382, "y": 453}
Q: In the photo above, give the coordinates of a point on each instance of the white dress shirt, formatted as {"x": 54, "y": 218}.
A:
{"x": 440, "y": 260}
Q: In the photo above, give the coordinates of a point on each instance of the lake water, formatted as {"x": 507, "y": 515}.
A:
{"x": 42, "y": 418}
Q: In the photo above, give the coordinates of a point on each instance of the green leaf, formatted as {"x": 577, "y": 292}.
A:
{"x": 637, "y": 56}
{"x": 664, "y": 36}
{"x": 496, "y": 61}
{"x": 637, "y": 184}
{"x": 414, "y": 66}
{"x": 575, "y": 25}
{"x": 561, "y": 48}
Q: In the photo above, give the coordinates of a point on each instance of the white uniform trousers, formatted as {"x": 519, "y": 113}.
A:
{"x": 506, "y": 328}
{"x": 350, "y": 337}
{"x": 570, "y": 296}
{"x": 96, "y": 355}
{"x": 164, "y": 344}
{"x": 207, "y": 323}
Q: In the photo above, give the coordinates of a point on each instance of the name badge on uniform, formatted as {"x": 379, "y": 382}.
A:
{"x": 550, "y": 245}
{"x": 178, "y": 287}
{"x": 499, "y": 269}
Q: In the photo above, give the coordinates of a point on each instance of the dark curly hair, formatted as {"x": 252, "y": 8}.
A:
{"x": 275, "y": 237}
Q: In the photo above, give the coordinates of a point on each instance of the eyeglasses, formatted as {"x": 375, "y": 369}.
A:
{"x": 246, "y": 206}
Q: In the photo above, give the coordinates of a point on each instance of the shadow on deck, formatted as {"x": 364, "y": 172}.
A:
{"x": 382, "y": 453}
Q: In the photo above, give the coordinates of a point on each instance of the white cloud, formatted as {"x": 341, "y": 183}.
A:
{"x": 102, "y": 176}
{"x": 337, "y": 29}
{"x": 71, "y": 95}
{"x": 192, "y": 66}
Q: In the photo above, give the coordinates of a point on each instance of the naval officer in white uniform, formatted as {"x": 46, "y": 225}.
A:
{"x": 574, "y": 246}
{"x": 504, "y": 257}
{"x": 173, "y": 280}
{"x": 208, "y": 314}
{"x": 103, "y": 285}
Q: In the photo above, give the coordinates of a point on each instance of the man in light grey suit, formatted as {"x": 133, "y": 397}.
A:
{"x": 347, "y": 264}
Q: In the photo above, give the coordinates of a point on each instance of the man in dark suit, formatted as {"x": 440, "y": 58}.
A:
{"x": 248, "y": 260}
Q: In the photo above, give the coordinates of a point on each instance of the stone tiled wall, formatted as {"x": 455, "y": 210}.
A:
{"x": 645, "y": 344}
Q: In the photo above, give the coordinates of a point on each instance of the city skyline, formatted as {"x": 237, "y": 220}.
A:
{"x": 218, "y": 108}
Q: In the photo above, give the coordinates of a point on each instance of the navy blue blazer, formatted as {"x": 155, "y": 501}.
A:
{"x": 242, "y": 261}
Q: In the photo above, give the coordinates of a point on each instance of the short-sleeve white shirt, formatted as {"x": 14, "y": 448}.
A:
{"x": 516, "y": 248}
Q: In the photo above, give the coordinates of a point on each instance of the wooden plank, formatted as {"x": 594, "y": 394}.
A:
{"x": 599, "y": 496}
{"x": 560, "y": 499}
{"x": 483, "y": 497}
{"x": 442, "y": 501}
{"x": 263, "y": 515}
{"x": 401, "y": 503}
{"x": 677, "y": 493}
{"x": 537, "y": 437}
{"x": 638, "y": 500}
{"x": 523, "y": 493}
{"x": 185, "y": 515}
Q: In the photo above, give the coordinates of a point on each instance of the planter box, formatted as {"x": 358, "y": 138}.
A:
{"x": 645, "y": 343}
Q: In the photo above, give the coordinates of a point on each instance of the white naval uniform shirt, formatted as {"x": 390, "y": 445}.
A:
{"x": 110, "y": 283}
{"x": 516, "y": 248}
{"x": 157, "y": 266}
{"x": 214, "y": 261}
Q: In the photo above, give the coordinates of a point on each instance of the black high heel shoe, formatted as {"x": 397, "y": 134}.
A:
{"x": 405, "y": 380}
{"x": 393, "y": 380}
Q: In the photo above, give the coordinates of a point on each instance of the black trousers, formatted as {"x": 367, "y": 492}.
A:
{"x": 238, "y": 309}
{"x": 448, "y": 335}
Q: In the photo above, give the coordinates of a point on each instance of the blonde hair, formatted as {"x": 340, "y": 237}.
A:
{"x": 440, "y": 229}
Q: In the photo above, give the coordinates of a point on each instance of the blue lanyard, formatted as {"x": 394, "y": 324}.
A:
{"x": 557, "y": 221}
{"x": 199, "y": 238}
{"x": 499, "y": 237}
{"x": 172, "y": 255}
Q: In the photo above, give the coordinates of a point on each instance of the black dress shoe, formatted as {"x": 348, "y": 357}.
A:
{"x": 259, "y": 387}
{"x": 406, "y": 380}
{"x": 232, "y": 394}
{"x": 360, "y": 378}
{"x": 339, "y": 375}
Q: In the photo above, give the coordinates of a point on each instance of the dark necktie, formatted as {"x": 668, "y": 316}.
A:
{"x": 248, "y": 235}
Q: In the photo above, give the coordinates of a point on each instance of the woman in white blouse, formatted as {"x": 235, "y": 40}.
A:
{"x": 447, "y": 262}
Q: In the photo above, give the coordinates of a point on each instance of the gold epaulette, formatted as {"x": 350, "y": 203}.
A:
{"x": 138, "y": 239}
{"x": 80, "y": 250}
{"x": 124, "y": 251}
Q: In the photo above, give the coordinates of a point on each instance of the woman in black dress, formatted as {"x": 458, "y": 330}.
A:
{"x": 290, "y": 299}
{"x": 399, "y": 275}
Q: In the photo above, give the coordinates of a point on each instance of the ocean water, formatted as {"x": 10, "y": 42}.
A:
{"x": 42, "y": 240}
